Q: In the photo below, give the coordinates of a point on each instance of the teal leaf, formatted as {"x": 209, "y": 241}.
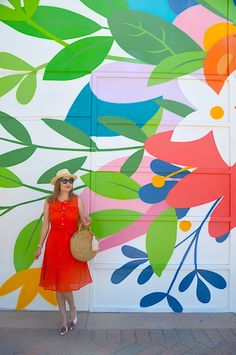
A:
{"x": 176, "y": 65}
{"x": 176, "y": 107}
{"x": 124, "y": 127}
{"x": 132, "y": 163}
{"x": 70, "y": 132}
{"x": 72, "y": 165}
{"x": 108, "y": 222}
{"x": 78, "y": 59}
{"x": 26, "y": 245}
{"x": 30, "y": 7}
{"x": 62, "y": 23}
{"x": 112, "y": 184}
{"x": 161, "y": 239}
{"x": 17, "y": 156}
{"x": 8, "y": 179}
{"x": 7, "y": 83}
{"x": 15, "y": 128}
{"x": 26, "y": 90}
{"x": 11, "y": 62}
{"x": 106, "y": 8}
{"x": 151, "y": 126}
{"x": 149, "y": 38}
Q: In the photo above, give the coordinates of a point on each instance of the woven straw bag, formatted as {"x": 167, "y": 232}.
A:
{"x": 83, "y": 244}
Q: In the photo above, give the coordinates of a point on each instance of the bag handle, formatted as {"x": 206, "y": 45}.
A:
{"x": 83, "y": 227}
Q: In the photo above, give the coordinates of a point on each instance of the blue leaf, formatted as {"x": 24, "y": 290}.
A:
{"x": 159, "y": 8}
{"x": 152, "y": 298}
{"x": 222, "y": 238}
{"x": 163, "y": 168}
{"x": 181, "y": 212}
{"x": 120, "y": 274}
{"x": 186, "y": 282}
{"x": 145, "y": 275}
{"x": 151, "y": 194}
{"x": 203, "y": 293}
{"x": 132, "y": 252}
{"x": 174, "y": 304}
{"x": 179, "y": 6}
{"x": 213, "y": 278}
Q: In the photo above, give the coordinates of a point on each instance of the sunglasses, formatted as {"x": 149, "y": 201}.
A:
{"x": 65, "y": 181}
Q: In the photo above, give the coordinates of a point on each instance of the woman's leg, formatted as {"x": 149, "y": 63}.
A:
{"x": 62, "y": 307}
{"x": 70, "y": 299}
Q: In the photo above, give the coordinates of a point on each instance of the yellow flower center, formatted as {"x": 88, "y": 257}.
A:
{"x": 185, "y": 225}
{"x": 158, "y": 181}
{"x": 217, "y": 112}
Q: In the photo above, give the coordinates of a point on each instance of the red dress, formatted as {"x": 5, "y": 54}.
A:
{"x": 60, "y": 270}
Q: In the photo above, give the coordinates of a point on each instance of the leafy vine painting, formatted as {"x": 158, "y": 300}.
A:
{"x": 148, "y": 129}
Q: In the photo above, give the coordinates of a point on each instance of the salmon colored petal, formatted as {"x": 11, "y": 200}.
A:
{"x": 198, "y": 153}
{"x": 49, "y": 296}
{"x": 218, "y": 228}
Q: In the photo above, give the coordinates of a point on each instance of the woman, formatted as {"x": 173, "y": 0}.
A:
{"x": 60, "y": 271}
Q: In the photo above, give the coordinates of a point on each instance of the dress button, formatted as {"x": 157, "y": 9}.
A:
{"x": 62, "y": 224}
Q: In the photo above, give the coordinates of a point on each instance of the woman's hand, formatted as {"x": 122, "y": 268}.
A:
{"x": 87, "y": 220}
{"x": 37, "y": 253}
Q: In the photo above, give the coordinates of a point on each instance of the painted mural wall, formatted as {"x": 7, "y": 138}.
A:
{"x": 138, "y": 98}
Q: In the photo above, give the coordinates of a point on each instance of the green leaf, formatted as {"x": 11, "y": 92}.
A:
{"x": 26, "y": 90}
{"x": 6, "y": 13}
{"x": 108, "y": 222}
{"x": 62, "y": 23}
{"x": 124, "y": 127}
{"x": 7, "y": 83}
{"x": 30, "y": 7}
{"x": 218, "y": 7}
{"x": 106, "y": 8}
{"x": 72, "y": 165}
{"x": 151, "y": 126}
{"x": 176, "y": 107}
{"x": 11, "y": 62}
{"x": 8, "y": 179}
{"x": 149, "y": 38}
{"x": 132, "y": 163}
{"x": 175, "y": 66}
{"x": 161, "y": 239}
{"x": 78, "y": 59}
{"x": 26, "y": 244}
{"x": 112, "y": 184}
{"x": 15, "y": 128}
{"x": 16, "y": 156}
{"x": 70, "y": 132}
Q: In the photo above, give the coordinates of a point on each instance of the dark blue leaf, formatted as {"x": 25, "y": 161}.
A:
{"x": 213, "y": 278}
{"x": 203, "y": 292}
{"x": 186, "y": 282}
{"x": 174, "y": 304}
{"x": 179, "y": 6}
{"x": 163, "y": 168}
{"x": 132, "y": 252}
{"x": 145, "y": 275}
{"x": 152, "y": 298}
{"x": 222, "y": 238}
{"x": 151, "y": 194}
{"x": 181, "y": 212}
{"x": 120, "y": 274}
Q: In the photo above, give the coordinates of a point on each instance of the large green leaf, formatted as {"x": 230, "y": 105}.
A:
{"x": 149, "y": 38}
{"x": 6, "y": 13}
{"x": 30, "y": 7}
{"x": 124, "y": 127}
{"x": 70, "y": 132}
{"x": 15, "y": 128}
{"x": 72, "y": 165}
{"x": 176, "y": 107}
{"x": 17, "y": 156}
{"x": 106, "y": 8}
{"x": 62, "y": 23}
{"x": 108, "y": 222}
{"x": 7, "y": 83}
{"x": 175, "y": 66}
{"x": 161, "y": 239}
{"x": 8, "y": 179}
{"x": 26, "y": 90}
{"x": 78, "y": 59}
{"x": 112, "y": 184}
{"x": 26, "y": 245}
{"x": 132, "y": 163}
{"x": 151, "y": 126}
{"x": 11, "y": 62}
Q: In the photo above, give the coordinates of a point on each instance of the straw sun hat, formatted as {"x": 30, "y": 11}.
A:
{"x": 64, "y": 173}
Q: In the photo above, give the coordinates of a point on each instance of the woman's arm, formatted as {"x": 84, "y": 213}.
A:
{"x": 85, "y": 220}
{"x": 44, "y": 230}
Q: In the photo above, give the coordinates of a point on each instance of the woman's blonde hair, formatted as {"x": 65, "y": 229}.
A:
{"x": 57, "y": 190}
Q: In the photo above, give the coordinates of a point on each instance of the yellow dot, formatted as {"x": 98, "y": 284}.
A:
{"x": 217, "y": 112}
{"x": 158, "y": 181}
{"x": 185, "y": 225}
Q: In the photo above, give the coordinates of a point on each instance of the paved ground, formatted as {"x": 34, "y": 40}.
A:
{"x": 34, "y": 333}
